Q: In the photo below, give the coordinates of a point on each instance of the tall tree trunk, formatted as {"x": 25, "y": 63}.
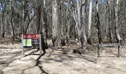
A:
{"x": 98, "y": 24}
{"x": 13, "y": 31}
{"x": 110, "y": 22}
{"x": 107, "y": 18}
{"x": 118, "y": 38}
{"x": 42, "y": 24}
{"x": 24, "y": 14}
{"x": 83, "y": 37}
{"x": 68, "y": 32}
{"x": 79, "y": 18}
{"x": 61, "y": 32}
{"x": 3, "y": 23}
{"x": 89, "y": 23}
{"x": 2, "y": 26}
{"x": 12, "y": 22}
{"x": 55, "y": 38}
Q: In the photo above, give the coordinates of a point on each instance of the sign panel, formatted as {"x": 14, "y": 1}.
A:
{"x": 30, "y": 40}
{"x": 35, "y": 36}
{"x": 27, "y": 36}
{"x": 35, "y": 39}
{"x": 35, "y": 42}
{"x": 27, "y": 42}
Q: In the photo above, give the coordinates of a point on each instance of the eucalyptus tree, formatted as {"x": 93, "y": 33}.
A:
{"x": 72, "y": 6}
{"x": 41, "y": 23}
{"x": 118, "y": 38}
{"x": 55, "y": 36}
{"x": 122, "y": 18}
{"x": 110, "y": 19}
{"x": 89, "y": 22}
{"x": 3, "y": 6}
{"x": 83, "y": 37}
{"x": 78, "y": 11}
{"x": 97, "y": 20}
{"x": 64, "y": 21}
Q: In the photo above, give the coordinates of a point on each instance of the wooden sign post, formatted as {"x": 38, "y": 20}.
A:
{"x": 109, "y": 45}
{"x": 31, "y": 40}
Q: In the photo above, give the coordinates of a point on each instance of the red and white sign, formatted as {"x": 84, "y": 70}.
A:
{"x": 31, "y": 40}
{"x": 35, "y": 39}
{"x": 35, "y": 36}
{"x": 27, "y": 36}
{"x": 31, "y": 36}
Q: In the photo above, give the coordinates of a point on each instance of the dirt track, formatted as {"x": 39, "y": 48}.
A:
{"x": 58, "y": 62}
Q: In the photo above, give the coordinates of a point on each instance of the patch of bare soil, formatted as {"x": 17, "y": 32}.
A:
{"x": 61, "y": 61}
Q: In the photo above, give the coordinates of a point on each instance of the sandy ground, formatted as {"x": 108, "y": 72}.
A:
{"x": 60, "y": 62}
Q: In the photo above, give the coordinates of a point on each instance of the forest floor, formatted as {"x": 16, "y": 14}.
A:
{"x": 61, "y": 61}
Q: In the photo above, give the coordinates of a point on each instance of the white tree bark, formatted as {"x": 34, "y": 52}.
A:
{"x": 89, "y": 22}
{"x": 54, "y": 23}
{"x": 117, "y": 22}
{"x": 78, "y": 17}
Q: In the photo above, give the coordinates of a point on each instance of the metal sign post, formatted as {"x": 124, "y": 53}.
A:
{"x": 22, "y": 46}
{"x": 40, "y": 44}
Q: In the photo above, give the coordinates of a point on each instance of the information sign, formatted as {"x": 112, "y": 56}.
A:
{"x": 31, "y": 40}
